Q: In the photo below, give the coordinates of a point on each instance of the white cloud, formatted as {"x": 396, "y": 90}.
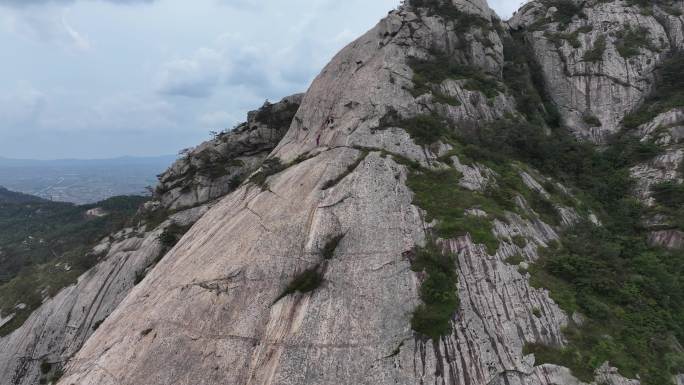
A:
{"x": 22, "y": 106}
{"x": 140, "y": 72}
{"x": 216, "y": 120}
{"x": 48, "y": 24}
{"x": 193, "y": 77}
{"x": 79, "y": 41}
{"x": 133, "y": 112}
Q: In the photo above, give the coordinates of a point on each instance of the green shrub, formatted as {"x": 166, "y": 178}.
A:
{"x": 447, "y": 10}
{"x": 329, "y": 249}
{"x": 631, "y": 40}
{"x": 45, "y": 367}
{"x": 425, "y": 129}
{"x": 56, "y": 375}
{"x": 429, "y": 74}
{"x": 545, "y": 208}
{"x": 519, "y": 241}
{"x": 595, "y": 54}
{"x": 438, "y": 292}
{"x": 270, "y": 166}
{"x": 669, "y": 194}
{"x": 537, "y": 312}
{"x": 236, "y": 181}
{"x": 591, "y": 120}
{"x": 515, "y": 260}
{"x": 523, "y": 78}
{"x": 97, "y": 324}
{"x": 305, "y": 282}
{"x": 139, "y": 276}
{"x": 438, "y": 193}
{"x": 171, "y": 235}
{"x": 558, "y": 38}
{"x": 273, "y": 118}
{"x": 624, "y": 288}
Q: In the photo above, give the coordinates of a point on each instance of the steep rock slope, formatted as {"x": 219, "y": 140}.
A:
{"x": 602, "y": 61}
{"x": 303, "y": 275}
{"x": 38, "y": 350}
{"x": 598, "y": 57}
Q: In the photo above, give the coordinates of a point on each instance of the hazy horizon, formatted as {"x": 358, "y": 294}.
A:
{"x": 143, "y": 78}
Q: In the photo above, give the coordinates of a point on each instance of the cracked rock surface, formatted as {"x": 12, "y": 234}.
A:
{"x": 60, "y": 327}
{"x": 219, "y": 308}
{"x": 217, "y": 297}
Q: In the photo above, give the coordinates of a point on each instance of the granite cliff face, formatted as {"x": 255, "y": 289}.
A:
{"x": 311, "y": 269}
{"x": 58, "y": 329}
{"x": 599, "y": 57}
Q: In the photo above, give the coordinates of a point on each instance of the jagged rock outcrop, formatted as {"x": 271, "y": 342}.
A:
{"x": 598, "y": 57}
{"x": 218, "y": 166}
{"x": 58, "y": 329}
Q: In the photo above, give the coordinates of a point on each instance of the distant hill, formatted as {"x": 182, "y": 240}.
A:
{"x": 82, "y": 181}
{"x": 7, "y": 196}
{"x": 44, "y": 244}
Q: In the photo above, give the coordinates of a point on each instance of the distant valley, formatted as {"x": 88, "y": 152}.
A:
{"x": 82, "y": 181}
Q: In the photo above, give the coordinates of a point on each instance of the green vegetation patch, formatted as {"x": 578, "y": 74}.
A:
{"x": 171, "y": 235}
{"x": 50, "y": 373}
{"x": 438, "y": 193}
{"x": 630, "y": 293}
{"x": 591, "y": 120}
{"x": 424, "y": 129}
{"x": 558, "y": 38}
{"x": 305, "y": 282}
{"x": 631, "y": 40}
{"x": 670, "y": 198}
{"x": 515, "y": 260}
{"x": 429, "y": 74}
{"x": 519, "y": 241}
{"x": 524, "y": 79}
{"x": 279, "y": 118}
{"x": 39, "y": 239}
{"x": 669, "y": 194}
{"x": 668, "y": 93}
{"x": 439, "y": 291}
{"x": 271, "y": 166}
{"x": 595, "y": 54}
{"x": 463, "y": 22}
{"x": 646, "y": 6}
{"x": 329, "y": 249}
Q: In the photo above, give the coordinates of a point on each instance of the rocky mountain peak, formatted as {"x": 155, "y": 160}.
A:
{"x": 472, "y": 7}
{"x": 452, "y": 201}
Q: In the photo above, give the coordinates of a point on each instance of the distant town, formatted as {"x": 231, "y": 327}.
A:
{"x": 82, "y": 181}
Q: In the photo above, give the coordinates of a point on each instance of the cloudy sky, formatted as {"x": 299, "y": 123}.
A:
{"x": 106, "y": 78}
